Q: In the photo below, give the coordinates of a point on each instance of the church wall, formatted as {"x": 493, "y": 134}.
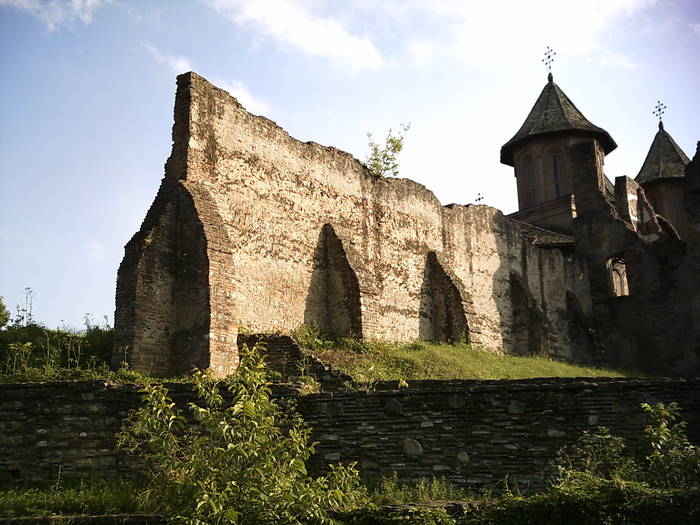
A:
{"x": 275, "y": 194}
{"x": 655, "y": 326}
{"x": 264, "y": 199}
{"x": 666, "y": 196}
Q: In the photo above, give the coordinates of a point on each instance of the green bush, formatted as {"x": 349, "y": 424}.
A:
{"x": 665, "y": 459}
{"x": 243, "y": 463}
{"x": 392, "y": 516}
{"x": 590, "y": 500}
{"x": 391, "y": 491}
{"x": 27, "y": 349}
{"x": 93, "y": 496}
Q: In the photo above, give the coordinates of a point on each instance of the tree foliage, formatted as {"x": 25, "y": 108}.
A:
{"x": 384, "y": 161}
{"x": 665, "y": 459}
{"x": 4, "y": 313}
{"x": 242, "y": 462}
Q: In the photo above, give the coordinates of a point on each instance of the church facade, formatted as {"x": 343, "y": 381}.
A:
{"x": 253, "y": 229}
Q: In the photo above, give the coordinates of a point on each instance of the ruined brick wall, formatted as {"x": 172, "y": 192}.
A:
{"x": 296, "y": 232}
{"x": 656, "y": 326}
{"x": 472, "y": 432}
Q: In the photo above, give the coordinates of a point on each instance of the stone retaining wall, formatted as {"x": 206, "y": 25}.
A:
{"x": 472, "y": 432}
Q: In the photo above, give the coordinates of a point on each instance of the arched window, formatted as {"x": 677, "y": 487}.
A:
{"x": 617, "y": 277}
{"x": 531, "y": 180}
{"x": 556, "y": 176}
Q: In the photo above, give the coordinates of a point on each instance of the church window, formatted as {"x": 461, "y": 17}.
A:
{"x": 532, "y": 180}
{"x": 617, "y": 277}
{"x": 556, "y": 176}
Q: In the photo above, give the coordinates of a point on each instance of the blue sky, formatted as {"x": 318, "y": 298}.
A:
{"x": 87, "y": 90}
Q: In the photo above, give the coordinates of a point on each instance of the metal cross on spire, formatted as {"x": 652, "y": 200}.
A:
{"x": 548, "y": 59}
{"x": 659, "y": 111}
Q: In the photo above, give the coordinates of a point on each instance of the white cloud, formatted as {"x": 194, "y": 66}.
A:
{"x": 292, "y": 23}
{"x": 177, "y": 64}
{"x": 487, "y": 32}
{"x": 695, "y": 28}
{"x": 55, "y": 13}
{"x": 423, "y": 50}
{"x": 236, "y": 88}
{"x": 96, "y": 250}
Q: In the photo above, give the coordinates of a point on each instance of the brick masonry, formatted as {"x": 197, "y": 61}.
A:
{"x": 472, "y": 432}
{"x": 253, "y": 228}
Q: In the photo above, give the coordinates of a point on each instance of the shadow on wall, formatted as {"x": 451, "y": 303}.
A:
{"x": 528, "y": 323}
{"x": 333, "y": 301}
{"x": 442, "y": 317}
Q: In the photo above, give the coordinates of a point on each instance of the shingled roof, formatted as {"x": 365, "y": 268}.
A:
{"x": 553, "y": 113}
{"x": 665, "y": 159}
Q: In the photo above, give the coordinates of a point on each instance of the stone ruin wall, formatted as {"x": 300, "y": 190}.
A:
{"x": 253, "y": 228}
{"x": 474, "y": 433}
{"x": 655, "y": 327}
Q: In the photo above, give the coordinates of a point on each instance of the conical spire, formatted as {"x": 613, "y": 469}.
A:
{"x": 665, "y": 159}
{"x": 554, "y": 113}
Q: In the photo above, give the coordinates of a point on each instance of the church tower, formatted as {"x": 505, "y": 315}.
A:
{"x": 662, "y": 175}
{"x": 539, "y": 154}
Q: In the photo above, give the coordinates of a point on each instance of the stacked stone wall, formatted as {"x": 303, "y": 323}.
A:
{"x": 473, "y": 433}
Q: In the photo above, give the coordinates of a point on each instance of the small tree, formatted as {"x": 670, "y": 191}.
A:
{"x": 4, "y": 313}
{"x": 384, "y": 161}
{"x": 666, "y": 460}
{"x": 242, "y": 464}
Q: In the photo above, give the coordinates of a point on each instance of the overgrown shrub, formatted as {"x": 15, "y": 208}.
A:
{"x": 35, "y": 346}
{"x": 241, "y": 463}
{"x": 391, "y": 491}
{"x": 590, "y": 500}
{"x": 88, "y": 496}
{"x": 665, "y": 459}
{"x": 397, "y": 516}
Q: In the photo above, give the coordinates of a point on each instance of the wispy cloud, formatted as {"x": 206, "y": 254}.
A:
{"x": 292, "y": 23}
{"x": 177, "y": 64}
{"x": 490, "y": 32}
{"x": 180, "y": 64}
{"x": 55, "y": 13}
{"x": 695, "y": 28}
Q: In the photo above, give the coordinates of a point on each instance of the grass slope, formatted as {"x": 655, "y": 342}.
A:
{"x": 380, "y": 360}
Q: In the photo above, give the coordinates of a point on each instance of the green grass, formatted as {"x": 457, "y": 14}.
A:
{"x": 391, "y": 491}
{"x": 97, "y": 496}
{"x": 123, "y": 376}
{"x": 368, "y": 361}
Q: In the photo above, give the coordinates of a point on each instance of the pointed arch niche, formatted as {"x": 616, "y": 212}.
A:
{"x": 333, "y": 301}
{"x": 442, "y": 317}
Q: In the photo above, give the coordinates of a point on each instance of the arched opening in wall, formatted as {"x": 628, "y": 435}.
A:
{"x": 333, "y": 301}
{"x": 667, "y": 227}
{"x": 191, "y": 326}
{"x": 527, "y": 328}
{"x": 441, "y": 311}
{"x": 617, "y": 277}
